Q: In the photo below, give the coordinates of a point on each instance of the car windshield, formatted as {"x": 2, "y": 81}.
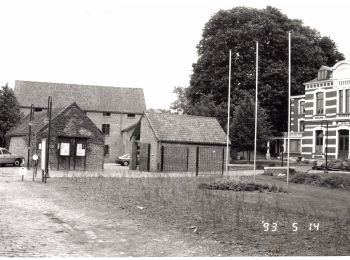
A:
{"x": 5, "y": 151}
{"x": 124, "y": 156}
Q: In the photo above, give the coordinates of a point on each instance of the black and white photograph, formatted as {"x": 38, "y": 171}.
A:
{"x": 174, "y": 128}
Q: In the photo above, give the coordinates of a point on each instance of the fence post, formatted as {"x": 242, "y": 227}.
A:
{"x": 197, "y": 160}
{"x": 223, "y": 161}
{"x": 188, "y": 152}
{"x": 162, "y": 158}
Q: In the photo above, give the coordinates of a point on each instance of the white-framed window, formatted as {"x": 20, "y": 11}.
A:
{"x": 320, "y": 103}
{"x": 319, "y": 141}
{"x": 341, "y": 101}
{"x": 302, "y": 106}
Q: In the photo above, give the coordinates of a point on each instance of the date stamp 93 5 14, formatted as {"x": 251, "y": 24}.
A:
{"x": 295, "y": 226}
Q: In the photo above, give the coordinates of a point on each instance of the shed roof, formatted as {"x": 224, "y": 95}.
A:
{"x": 186, "y": 129}
{"x": 88, "y": 97}
{"x": 40, "y": 121}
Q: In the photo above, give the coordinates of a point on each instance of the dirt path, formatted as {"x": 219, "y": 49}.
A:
{"x": 38, "y": 220}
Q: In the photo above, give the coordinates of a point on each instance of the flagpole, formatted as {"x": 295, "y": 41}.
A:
{"x": 228, "y": 110}
{"x": 289, "y": 87}
{"x": 256, "y": 105}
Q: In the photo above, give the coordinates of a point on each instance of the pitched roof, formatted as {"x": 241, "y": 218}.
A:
{"x": 186, "y": 129}
{"x": 39, "y": 121}
{"x": 88, "y": 98}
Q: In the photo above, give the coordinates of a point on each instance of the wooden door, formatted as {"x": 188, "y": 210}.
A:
{"x": 343, "y": 144}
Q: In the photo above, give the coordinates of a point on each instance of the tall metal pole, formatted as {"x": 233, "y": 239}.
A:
{"x": 31, "y": 115}
{"x": 256, "y": 105}
{"x": 289, "y": 93}
{"x": 228, "y": 110}
{"x": 326, "y": 171}
{"x": 30, "y": 132}
{"x": 49, "y": 108}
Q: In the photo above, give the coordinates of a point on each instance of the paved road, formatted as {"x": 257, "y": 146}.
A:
{"x": 38, "y": 220}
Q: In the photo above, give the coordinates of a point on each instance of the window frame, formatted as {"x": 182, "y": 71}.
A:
{"x": 104, "y": 129}
{"x": 316, "y": 103}
{"x": 104, "y": 150}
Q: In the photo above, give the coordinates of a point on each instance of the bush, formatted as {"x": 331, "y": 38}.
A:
{"x": 240, "y": 186}
{"x": 330, "y": 181}
{"x": 259, "y": 167}
{"x": 272, "y": 165}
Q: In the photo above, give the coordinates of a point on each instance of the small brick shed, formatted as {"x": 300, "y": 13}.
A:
{"x": 173, "y": 142}
{"x": 76, "y": 143}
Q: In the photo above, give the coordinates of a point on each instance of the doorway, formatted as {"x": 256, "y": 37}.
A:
{"x": 343, "y": 144}
{"x": 72, "y": 154}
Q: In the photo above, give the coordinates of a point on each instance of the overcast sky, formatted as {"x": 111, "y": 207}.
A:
{"x": 131, "y": 43}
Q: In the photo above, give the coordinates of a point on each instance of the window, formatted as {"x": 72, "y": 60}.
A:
{"x": 294, "y": 146}
{"x": 319, "y": 141}
{"x": 319, "y": 103}
{"x": 5, "y": 152}
{"x": 105, "y": 129}
{"x": 302, "y": 107}
{"x": 341, "y": 96}
{"x": 131, "y": 115}
{"x": 301, "y": 126}
{"x": 347, "y": 100}
{"x": 106, "y": 114}
{"x": 106, "y": 150}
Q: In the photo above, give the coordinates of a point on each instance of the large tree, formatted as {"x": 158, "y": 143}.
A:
{"x": 243, "y": 126}
{"x": 9, "y": 112}
{"x": 238, "y": 29}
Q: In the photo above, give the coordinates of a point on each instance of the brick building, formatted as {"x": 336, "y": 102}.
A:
{"x": 75, "y": 141}
{"x": 172, "y": 142}
{"x": 113, "y": 110}
{"x": 326, "y": 102}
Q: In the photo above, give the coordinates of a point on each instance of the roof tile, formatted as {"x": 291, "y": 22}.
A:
{"x": 88, "y": 97}
{"x": 186, "y": 128}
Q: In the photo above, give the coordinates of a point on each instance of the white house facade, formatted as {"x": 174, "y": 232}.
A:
{"x": 326, "y": 104}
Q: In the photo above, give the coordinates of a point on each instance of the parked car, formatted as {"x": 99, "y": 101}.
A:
{"x": 8, "y": 158}
{"x": 123, "y": 160}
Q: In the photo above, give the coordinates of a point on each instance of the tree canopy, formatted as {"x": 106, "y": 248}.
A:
{"x": 238, "y": 29}
{"x": 243, "y": 125}
{"x": 9, "y": 112}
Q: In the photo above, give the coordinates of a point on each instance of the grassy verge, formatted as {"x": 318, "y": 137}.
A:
{"x": 237, "y": 220}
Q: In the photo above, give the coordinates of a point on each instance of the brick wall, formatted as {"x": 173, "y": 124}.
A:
{"x": 117, "y": 122}
{"x": 18, "y": 146}
{"x": 147, "y": 136}
{"x": 118, "y": 144}
{"x": 72, "y": 124}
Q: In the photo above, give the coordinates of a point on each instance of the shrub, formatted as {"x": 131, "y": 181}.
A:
{"x": 259, "y": 167}
{"x": 240, "y": 186}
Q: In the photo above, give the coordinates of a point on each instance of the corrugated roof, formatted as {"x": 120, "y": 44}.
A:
{"x": 88, "y": 97}
{"x": 186, "y": 129}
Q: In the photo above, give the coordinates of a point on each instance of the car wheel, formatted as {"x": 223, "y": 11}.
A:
{"x": 126, "y": 163}
{"x": 17, "y": 162}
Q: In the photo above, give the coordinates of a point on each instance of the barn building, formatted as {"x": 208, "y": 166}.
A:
{"x": 115, "y": 111}
{"x": 172, "y": 142}
{"x": 76, "y": 143}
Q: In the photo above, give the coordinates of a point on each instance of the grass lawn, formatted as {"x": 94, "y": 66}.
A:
{"x": 235, "y": 219}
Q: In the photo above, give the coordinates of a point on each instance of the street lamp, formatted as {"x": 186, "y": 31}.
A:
{"x": 322, "y": 135}
{"x": 49, "y": 110}
{"x": 31, "y": 116}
